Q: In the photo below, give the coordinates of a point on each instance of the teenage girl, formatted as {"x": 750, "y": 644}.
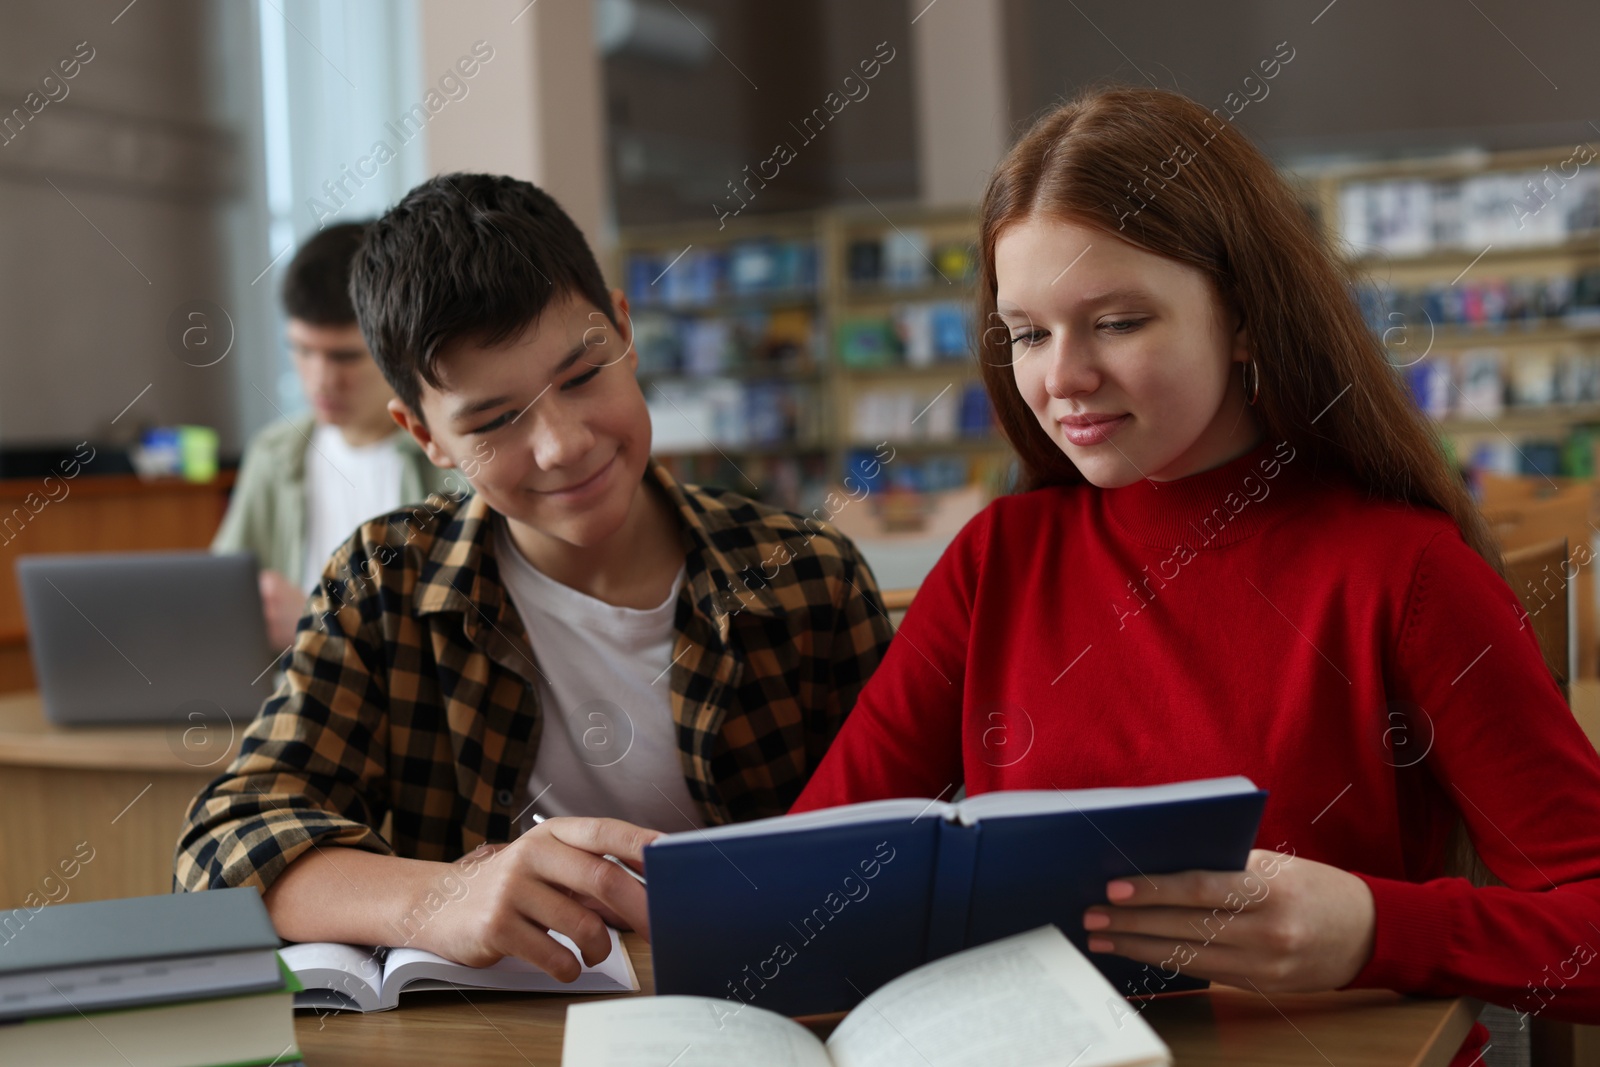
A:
{"x": 1239, "y": 550}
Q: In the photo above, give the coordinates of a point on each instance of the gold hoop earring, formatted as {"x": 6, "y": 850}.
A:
{"x": 1252, "y": 381}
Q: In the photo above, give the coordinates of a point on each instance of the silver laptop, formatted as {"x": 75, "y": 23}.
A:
{"x": 157, "y": 637}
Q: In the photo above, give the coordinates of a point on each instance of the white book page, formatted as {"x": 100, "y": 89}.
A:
{"x": 415, "y": 968}
{"x": 685, "y": 1032}
{"x": 1027, "y": 1000}
{"x": 1043, "y": 801}
{"x": 332, "y": 972}
{"x": 846, "y": 815}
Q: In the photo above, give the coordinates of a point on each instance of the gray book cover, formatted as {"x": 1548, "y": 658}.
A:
{"x": 209, "y": 922}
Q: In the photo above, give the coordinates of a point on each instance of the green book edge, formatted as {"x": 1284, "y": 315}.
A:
{"x": 276, "y": 1061}
{"x": 289, "y": 980}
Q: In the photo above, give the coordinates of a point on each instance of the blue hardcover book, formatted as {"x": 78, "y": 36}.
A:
{"x": 809, "y": 913}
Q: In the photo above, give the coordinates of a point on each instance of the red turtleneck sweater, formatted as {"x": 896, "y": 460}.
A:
{"x": 1352, "y": 656}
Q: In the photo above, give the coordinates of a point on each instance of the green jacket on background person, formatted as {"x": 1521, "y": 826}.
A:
{"x": 267, "y": 513}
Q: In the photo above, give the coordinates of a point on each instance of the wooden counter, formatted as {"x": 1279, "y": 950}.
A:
{"x": 105, "y": 513}
{"x": 104, "y": 803}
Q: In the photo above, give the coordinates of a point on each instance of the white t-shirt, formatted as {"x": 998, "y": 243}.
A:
{"x": 609, "y": 745}
{"x": 345, "y": 487}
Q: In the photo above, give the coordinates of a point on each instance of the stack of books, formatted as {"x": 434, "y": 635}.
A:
{"x": 183, "y": 980}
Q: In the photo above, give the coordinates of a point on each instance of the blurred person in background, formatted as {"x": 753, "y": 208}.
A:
{"x": 305, "y": 483}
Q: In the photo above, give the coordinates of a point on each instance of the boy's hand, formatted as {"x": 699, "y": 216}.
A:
{"x": 552, "y": 878}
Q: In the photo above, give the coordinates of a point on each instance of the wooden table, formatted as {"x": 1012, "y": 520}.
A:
{"x": 1225, "y": 1027}
{"x": 115, "y": 795}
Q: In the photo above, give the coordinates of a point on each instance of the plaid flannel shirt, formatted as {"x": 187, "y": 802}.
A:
{"x": 409, "y": 689}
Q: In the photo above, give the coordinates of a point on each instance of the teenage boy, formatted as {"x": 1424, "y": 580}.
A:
{"x": 581, "y": 636}
{"x": 305, "y": 483}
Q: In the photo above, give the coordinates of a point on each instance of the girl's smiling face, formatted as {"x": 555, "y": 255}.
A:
{"x": 1104, "y": 330}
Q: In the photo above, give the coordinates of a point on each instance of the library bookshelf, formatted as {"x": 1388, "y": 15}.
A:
{"x": 778, "y": 352}
{"x": 781, "y": 353}
{"x": 1481, "y": 274}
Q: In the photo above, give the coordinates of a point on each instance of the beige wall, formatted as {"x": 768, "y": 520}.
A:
{"x": 538, "y": 113}
{"x": 87, "y": 286}
{"x": 961, "y": 96}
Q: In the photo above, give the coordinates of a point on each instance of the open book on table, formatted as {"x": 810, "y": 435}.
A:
{"x": 358, "y": 978}
{"x": 1028, "y": 999}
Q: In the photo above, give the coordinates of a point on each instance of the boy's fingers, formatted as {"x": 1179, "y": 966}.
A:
{"x": 548, "y": 907}
{"x": 602, "y": 909}
{"x": 617, "y": 889}
{"x": 601, "y": 836}
{"x": 543, "y": 951}
{"x": 583, "y": 872}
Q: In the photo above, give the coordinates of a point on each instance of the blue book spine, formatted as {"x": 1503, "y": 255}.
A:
{"x": 955, "y": 864}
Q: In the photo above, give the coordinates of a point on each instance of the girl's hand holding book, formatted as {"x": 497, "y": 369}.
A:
{"x": 1282, "y": 924}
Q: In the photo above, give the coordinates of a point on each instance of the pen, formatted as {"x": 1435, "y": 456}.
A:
{"x": 537, "y": 819}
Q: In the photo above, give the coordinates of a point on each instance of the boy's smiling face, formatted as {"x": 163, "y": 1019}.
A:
{"x": 550, "y": 428}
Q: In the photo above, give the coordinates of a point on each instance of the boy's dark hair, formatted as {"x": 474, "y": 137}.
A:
{"x": 465, "y": 258}
{"x": 316, "y": 287}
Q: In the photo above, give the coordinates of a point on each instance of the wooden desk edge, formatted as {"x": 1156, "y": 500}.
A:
{"x": 27, "y": 739}
{"x": 1451, "y": 1031}
{"x": 121, "y": 484}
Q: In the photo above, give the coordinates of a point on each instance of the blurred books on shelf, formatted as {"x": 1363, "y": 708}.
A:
{"x": 922, "y": 413}
{"x": 1490, "y": 393}
{"x": 1486, "y": 297}
{"x": 728, "y": 338}
{"x": 702, "y": 276}
{"x": 711, "y": 413}
{"x": 798, "y": 483}
{"x": 913, "y": 473}
{"x": 1482, "y": 388}
{"x": 790, "y": 347}
{"x": 867, "y": 343}
{"x": 1569, "y": 458}
{"x": 770, "y": 351}
{"x": 1567, "y": 301}
{"x": 914, "y": 335}
{"x": 761, "y": 341}
{"x": 908, "y": 257}
{"x": 1520, "y": 208}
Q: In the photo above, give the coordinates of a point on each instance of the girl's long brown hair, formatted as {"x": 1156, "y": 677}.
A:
{"x": 1164, "y": 174}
